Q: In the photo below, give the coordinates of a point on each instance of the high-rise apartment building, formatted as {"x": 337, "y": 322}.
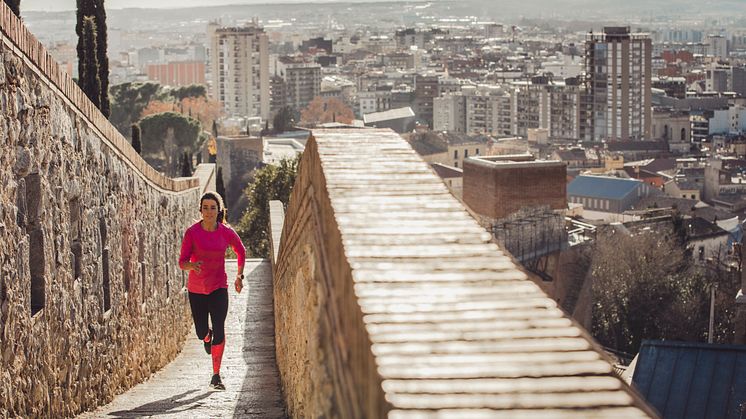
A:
{"x": 618, "y": 68}
{"x": 240, "y": 70}
{"x": 302, "y": 81}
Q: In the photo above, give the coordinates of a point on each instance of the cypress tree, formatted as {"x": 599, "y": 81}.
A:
{"x": 136, "y": 138}
{"x": 102, "y": 45}
{"x": 215, "y": 129}
{"x": 219, "y": 185}
{"x": 95, "y": 9}
{"x": 15, "y": 6}
{"x": 88, "y": 77}
{"x": 84, "y": 8}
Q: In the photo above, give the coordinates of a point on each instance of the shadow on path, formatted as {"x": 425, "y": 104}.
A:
{"x": 167, "y": 406}
{"x": 260, "y": 394}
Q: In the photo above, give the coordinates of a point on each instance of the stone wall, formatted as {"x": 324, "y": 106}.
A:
{"x": 318, "y": 324}
{"x": 91, "y": 298}
{"x": 391, "y": 302}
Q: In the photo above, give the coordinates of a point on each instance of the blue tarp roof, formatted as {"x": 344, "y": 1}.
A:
{"x": 692, "y": 380}
{"x": 601, "y": 187}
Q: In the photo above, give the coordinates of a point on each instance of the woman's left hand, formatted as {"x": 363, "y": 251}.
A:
{"x": 239, "y": 285}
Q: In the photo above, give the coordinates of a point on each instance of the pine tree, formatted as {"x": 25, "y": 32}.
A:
{"x": 15, "y": 6}
{"x": 220, "y": 186}
{"x": 136, "y": 138}
{"x": 88, "y": 76}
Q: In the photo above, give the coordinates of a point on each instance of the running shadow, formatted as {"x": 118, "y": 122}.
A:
{"x": 260, "y": 395}
{"x": 167, "y": 406}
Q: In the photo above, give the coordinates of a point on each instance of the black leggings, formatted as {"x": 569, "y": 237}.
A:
{"x": 216, "y": 305}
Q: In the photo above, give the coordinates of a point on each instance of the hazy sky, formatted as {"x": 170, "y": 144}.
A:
{"x": 57, "y": 5}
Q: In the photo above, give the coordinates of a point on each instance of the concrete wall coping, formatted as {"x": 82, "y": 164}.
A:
{"x": 504, "y": 162}
{"x": 17, "y": 37}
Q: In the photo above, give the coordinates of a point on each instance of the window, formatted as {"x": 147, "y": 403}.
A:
{"x": 455, "y": 154}
{"x": 466, "y": 153}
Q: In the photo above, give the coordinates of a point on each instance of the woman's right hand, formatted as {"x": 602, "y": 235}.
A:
{"x": 196, "y": 266}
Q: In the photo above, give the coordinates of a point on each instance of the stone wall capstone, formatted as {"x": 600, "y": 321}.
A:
{"x": 91, "y": 297}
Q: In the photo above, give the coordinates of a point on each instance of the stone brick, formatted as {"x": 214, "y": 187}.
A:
{"x": 66, "y": 167}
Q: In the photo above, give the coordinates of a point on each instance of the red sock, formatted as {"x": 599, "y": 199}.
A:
{"x": 217, "y": 356}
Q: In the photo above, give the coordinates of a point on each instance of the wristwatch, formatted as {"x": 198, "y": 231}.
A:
{"x": 239, "y": 277}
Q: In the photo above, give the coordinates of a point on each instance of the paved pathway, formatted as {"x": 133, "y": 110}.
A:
{"x": 249, "y": 368}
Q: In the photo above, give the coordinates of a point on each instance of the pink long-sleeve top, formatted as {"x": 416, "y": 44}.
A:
{"x": 209, "y": 247}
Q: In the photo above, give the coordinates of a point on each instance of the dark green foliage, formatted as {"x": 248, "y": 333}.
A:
{"x": 15, "y": 6}
{"x": 284, "y": 119}
{"x": 194, "y": 90}
{"x": 136, "y": 138}
{"x": 94, "y": 9}
{"x": 270, "y": 183}
{"x": 215, "y": 129}
{"x": 103, "y": 60}
{"x": 88, "y": 77}
{"x": 128, "y": 101}
{"x": 220, "y": 185}
{"x": 166, "y": 135}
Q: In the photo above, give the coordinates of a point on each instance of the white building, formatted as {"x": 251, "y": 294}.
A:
{"x": 240, "y": 70}
{"x": 717, "y": 46}
{"x": 619, "y": 65}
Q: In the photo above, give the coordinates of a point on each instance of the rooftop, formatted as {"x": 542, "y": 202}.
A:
{"x": 389, "y": 115}
{"x": 602, "y": 187}
{"x": 695, "y": 380}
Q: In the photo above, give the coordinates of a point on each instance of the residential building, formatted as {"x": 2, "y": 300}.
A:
{"x": 618, "y": 66}
{"x": 302, "y": 81}
{"x": 240, "y": 70}
{"x": 717, "y": 46}
{"x": 181, "y": 73}
{"x": 425, "y": 90}
{"x": 374, "y": 101}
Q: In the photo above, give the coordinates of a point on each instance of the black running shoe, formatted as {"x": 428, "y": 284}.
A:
{"x": 217, "y": 383}
{"x": 208, "y": 343}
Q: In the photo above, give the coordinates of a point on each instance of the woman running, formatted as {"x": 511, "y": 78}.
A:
{"x": 203, "y": 255}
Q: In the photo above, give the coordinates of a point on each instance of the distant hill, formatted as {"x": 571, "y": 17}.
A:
{"x": 610, "y": 8}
